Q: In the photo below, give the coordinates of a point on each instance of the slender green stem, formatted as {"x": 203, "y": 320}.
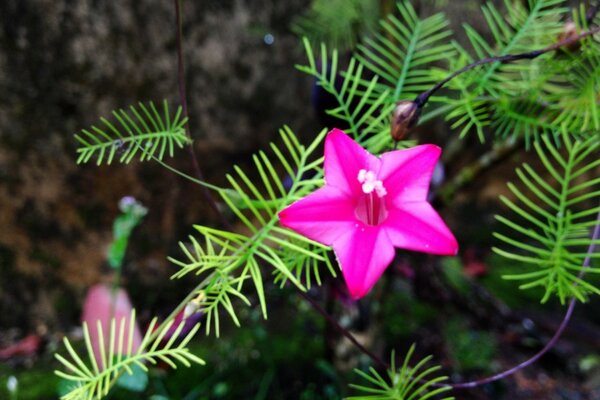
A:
{"x": 202, "y": 183}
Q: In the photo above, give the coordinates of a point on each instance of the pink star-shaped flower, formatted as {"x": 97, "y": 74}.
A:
{"x": 369, "y": 206}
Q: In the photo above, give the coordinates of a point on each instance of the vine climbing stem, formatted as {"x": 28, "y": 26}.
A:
{"x": 422, "y": 98}
{"x": 183, "y": 100}
{"x": 563, "y": 325}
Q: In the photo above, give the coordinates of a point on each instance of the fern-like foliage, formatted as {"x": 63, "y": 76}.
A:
{"x": 228, "y": 260}
{"x": 552, "y": 230}
{"x": 92, "y": 379}
{"x": 406, "y": 383}
{"x": 142, "y": 131}
{"x": 525, "y": 98}
{"x": 338, "y": 23}
{"x": 577, "y": 102}
{"x": 394, "y": 64}
{"x": 404, "y": 49}
{"x": 363, "y": 118}
{"x": 574, "y": 98}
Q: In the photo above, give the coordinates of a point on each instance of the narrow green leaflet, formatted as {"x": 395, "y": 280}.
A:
{"x": 93, "y": 378}
{"x": 511, "y": 98}
{"x": 228, "y": 261}
{"x": 362, "y": 111}
{"x": 339, "y": 23}
{"x": 403, "y": 51}
{"x": 142, "y": 131}
{"x": 553, "y": 214}
{"x": 408, "y": 382}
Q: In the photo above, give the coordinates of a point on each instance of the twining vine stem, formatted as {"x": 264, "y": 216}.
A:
{"x": 183, "y": 100}
{"x": 422, "y": 98}
{"x": 343, "y": 330}
{"x": 557, "y": 334}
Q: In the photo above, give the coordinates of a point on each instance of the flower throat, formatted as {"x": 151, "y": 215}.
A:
{"x": 370, "y": 207}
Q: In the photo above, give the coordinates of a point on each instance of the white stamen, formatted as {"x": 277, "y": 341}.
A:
{"x": 380, "y": 189}
{"x": 361, "y": 175}
{"x": 370, "y": 183}
{"x": 368, "y": 187}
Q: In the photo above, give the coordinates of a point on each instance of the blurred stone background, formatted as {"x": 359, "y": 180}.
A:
{"x": 64, "y": 64}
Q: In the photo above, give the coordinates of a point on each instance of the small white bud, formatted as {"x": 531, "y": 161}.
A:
{"x": 193, "y": 306}
{"x": 11, "y": 384}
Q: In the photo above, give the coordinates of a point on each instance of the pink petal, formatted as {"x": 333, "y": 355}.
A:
{"x": 417, "y": 226}
{"x": 363, "y": 253}
{"x": 323, "y": 215}
{"x": 406, "y": 173}
{"x": 343, "y": 159}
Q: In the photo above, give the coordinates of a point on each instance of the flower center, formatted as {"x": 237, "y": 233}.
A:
{"x": 370, "y": 207}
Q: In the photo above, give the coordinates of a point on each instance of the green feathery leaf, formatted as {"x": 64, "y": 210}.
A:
{"x": 574, "y": 95}
{"x": 506, "y": 95}
{"x": 230, "y": 259}
{"x": 404, "y": 49}
{"x": 551, "y": 231}
{"x": 339, "y": 23}
{"x": 405, "y": 383}
{"x": 94, "y": 379}
{"x": 142, "y": 130}
{"x": 363, "y": 112}
{"x": 362, "y": 118}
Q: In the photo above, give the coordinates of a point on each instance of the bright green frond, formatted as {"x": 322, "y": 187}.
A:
{"x": 362, "y": 110}
{"x": 116, "y": 355}
{"x": 142, "y": 131}
{"x": 404, "y": 49}
{"x": 364, "y": 106}
{"x": 575, "y": 100}
{"x": 228, "y": 260}
{"x": 512, "y": 98}
{"x": 338, "y": 23}
{"x": 551, "y": 228}
{"x": 394, "y": 64}
{"x": 409, "y": 382}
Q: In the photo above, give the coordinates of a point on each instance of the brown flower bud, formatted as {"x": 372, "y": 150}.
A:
{"x": 569, "y": 32}
{"x": 404, "y": 117}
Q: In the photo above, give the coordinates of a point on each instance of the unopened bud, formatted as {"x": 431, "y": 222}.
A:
{"x": 569, "y": 32}
{"x": 405, "y": 116}
{"x": 193, "y": 306}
